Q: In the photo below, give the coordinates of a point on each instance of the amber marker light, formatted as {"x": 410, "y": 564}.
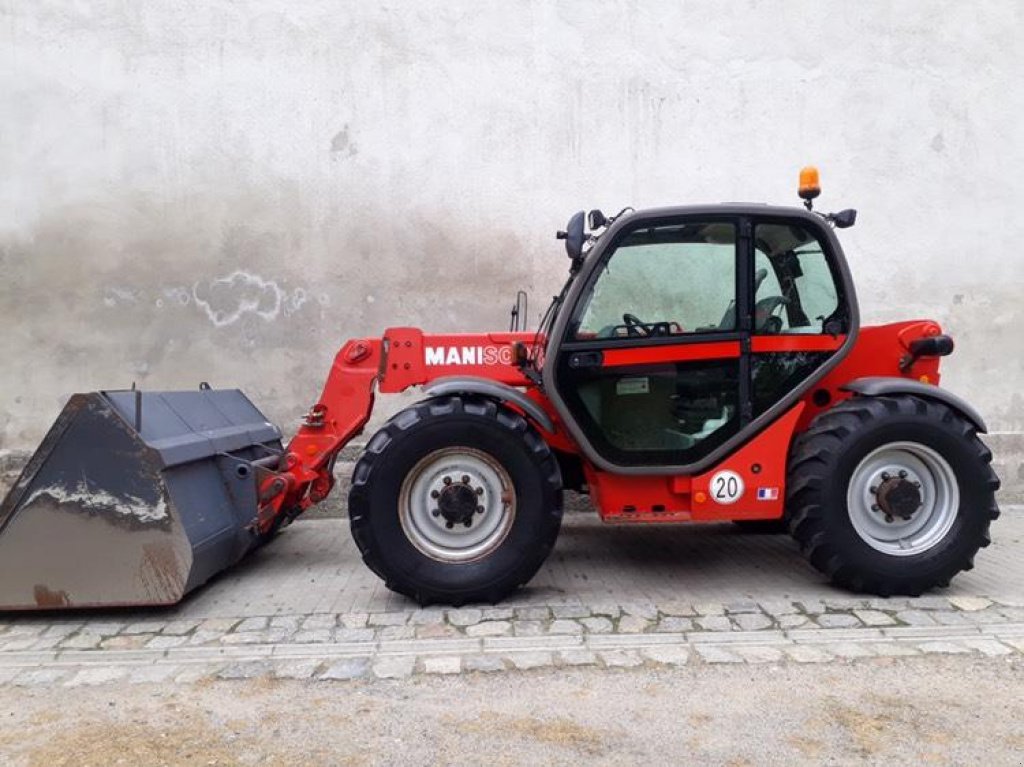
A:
{"x": 810, "y": 186}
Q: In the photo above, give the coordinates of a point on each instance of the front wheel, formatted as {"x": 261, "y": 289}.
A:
{"x": 456, "y": 500}
{"x": 891, "y": 495}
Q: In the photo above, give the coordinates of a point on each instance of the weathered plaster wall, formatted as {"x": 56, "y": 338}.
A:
{"x": 224, "y": 191}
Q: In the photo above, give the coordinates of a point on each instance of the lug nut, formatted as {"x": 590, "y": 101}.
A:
{"x": 447, "y": 480}
{"x": 888, "y": 518}
{"x": 874, "y": 490}
{"x": 434, "y": 494}
{"x": 917, "y": 484}
{"x": 449, "y": 525}
{"x": 479, "y": 491}
{"x": 468, "y": 523}
{"x": 885, "y": 475}
{"x": 436, "y": 512}
{"x": 479, "y": 509}
{"x": 875, "y": 507}
{"x": 465, "y": 479}
{"x": 903, "y": 474}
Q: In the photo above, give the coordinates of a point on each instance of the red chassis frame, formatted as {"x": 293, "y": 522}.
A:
{"x": 406, "y": 357}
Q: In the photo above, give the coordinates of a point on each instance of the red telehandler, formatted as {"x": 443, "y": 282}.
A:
{"x": 701, "y": 364}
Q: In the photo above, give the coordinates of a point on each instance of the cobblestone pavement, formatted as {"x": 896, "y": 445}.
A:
{"x": 306, "y": 608}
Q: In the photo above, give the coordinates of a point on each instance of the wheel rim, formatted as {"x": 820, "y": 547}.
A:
{"x": 447, "y": 489}
{"x": 903, "y": 498}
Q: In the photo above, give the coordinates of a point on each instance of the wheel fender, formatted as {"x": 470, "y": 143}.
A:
{"x": 501, "y": 392}
{"x": 877, "y": 386}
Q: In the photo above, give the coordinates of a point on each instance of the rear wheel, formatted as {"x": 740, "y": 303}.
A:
{"x": 891, "y": 495}
{"x": 456, "y": 500}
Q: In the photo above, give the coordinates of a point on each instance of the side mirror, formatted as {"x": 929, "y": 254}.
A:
{"x": 596, "y": 219}
{"x": 573, "y": 236}
{"x": 844, "y": 218}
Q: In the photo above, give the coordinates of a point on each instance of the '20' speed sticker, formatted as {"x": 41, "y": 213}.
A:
{"x": 726, "y": 487}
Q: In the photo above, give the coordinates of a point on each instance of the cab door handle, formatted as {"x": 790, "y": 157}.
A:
{"x": 579, "y": 360}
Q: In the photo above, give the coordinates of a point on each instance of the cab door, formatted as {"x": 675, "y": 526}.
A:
{"x": 653, "y": 364}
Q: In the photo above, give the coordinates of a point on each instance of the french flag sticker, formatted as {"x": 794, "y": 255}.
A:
{"x": 767, "y": 493}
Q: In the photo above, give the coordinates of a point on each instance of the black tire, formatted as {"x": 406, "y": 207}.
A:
{"x": 822, "y": 462}
{"x": 394, "y": 451}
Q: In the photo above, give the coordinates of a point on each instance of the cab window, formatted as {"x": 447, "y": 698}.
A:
{"x": 794, "y": 288}
{"x": 665, "y": 280}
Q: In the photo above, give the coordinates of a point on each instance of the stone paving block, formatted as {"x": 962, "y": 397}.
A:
{"x": 251, "y": 624}
{"x": 315, "y": 636}
{"x": 597, "y": 625}
{"x": 350, "y": 668}
{"x": 48, "y": 643}
{"x": 915, "y": 618}
{"x": 812, "y": 606}
{"x": 179, "y": 627}
{"x": 758, "y": 653}
{"x": 18, "y": 643}
{"x": 795, "y": 621}
{"x": 970, "y": 604}
{"x": 530, "y": 659}
{"x": 570, "y": 611}
{"x": 200, "y": 637}
{"x": 39, "y": 677}
{"x": 531, "y": 614}
{"x": 565, "y": 626}
{"x": 778, "y": 607}
{"x": 235, "y": 638}
{"x": 328, "y": 621}
{"x": 893, "y": 649}
{"x": 154, "y": 673}
{"x": 850, "y": 649}
{"x": 887, "y": 604}
{"x": 874, "y": 618}
{"x": 483, "y": 663}
{"x": 442, "y": 664}
{"x": 105, "y": 628}
{"x": 632, "y": 624}
{"x": 605, "y": 609}
{"x": 715, "y": 623}
{"x": 621, "y": 658}
{"x": 646, "y": 610}
{"x": 296, "y": 669}
{"x": 674, "y": 623}
{"x": 246, "y": 670}
{"x": 742, "y": 606}
{"x": 220, "y": 625}
{"x": 362, "y": 635}
{"x": 989, "y": 647}
{"x": 125, "y": 642}
{"x": 84, "y": 640}
{"x": 424, "y": 616}
{"x": 196, "y": 672}
{"x": 162, "y": 642}
{"x": 286, "y": 622}
{"x": 984, "y": 617}
{"x": 498, "y": 613}
{"x": 65, "y": 629}
{"x": 465, "y": 616}
{"x": 668, "y": 655}
{"x": 387, "y": 619}
{"x": 96, "y": 676}
{"x": 950, "y": 618}
{"x": 489, "y": 629}
{"x": 389, "y": 632}
{"x": 842, "y": 604}
{"x": 436, "y": 631}
{"x": 677, "y": 609}
{"x": 928, "y": 603}
{"x": 752, "y": 621}
{"x": 577, "y": 658}
{"x": 709, "y": 608}
{"x": 1016, "y": 644}
{"x": 802, "y": 653}
{"x": 943, "y": 647}
{"x": 1015, "y": 614}
{"x": 527, "y": 628}
{"x": 1006, "y": 600}
{"x": 394, "y": 667}
{"x": 837, "y": 621}
{"x": 716, "y": 654}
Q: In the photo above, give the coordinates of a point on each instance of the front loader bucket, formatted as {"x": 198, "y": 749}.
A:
{"x": 134, "y": 498}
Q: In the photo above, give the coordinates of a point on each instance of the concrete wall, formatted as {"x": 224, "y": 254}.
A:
{"x": 224, "y": 191}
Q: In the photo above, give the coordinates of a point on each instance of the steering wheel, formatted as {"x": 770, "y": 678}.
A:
{"x": 634, "y": 325}
{"x": 765, "y": 319}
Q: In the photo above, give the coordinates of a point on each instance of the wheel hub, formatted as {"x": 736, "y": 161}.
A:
{"x": 899, "y": 497}
{"x": 457, "y": 503}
